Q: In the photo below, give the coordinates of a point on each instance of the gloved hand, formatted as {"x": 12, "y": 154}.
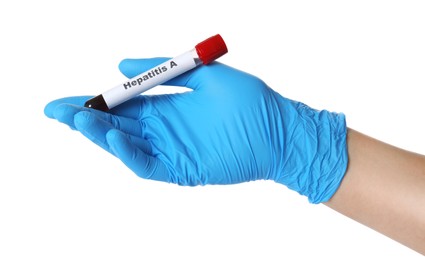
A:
{"x": 230, "y": 128}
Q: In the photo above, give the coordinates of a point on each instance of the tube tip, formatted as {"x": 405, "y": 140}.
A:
{"x": 98, "y": 102}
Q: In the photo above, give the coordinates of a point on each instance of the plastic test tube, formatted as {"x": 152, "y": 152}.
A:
{"x": 203, "y": 53}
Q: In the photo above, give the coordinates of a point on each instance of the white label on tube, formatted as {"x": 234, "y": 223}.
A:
{"x": 149, "y": 79}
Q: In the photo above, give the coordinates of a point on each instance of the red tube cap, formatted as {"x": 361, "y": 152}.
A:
{"x": 211, "y": 49}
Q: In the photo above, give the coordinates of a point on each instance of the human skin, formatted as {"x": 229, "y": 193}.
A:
{"x": 384, "y": 189}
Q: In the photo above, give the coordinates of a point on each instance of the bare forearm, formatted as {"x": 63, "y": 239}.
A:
{"x": 384, "y": 189}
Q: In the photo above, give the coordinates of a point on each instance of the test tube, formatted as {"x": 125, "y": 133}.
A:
{"x": 204, "y": 53}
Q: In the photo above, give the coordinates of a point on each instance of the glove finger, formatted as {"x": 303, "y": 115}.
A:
{"x": 51, "y": 106}
{"x": 137, "y": 160}
{"x": 127, "y": 125}
{"x": 65, "y": 113}
{"x": 95, "y": 129}
{"x": 133, "y": 67}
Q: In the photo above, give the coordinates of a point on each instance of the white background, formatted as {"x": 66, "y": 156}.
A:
{"x": 62, "y": 197}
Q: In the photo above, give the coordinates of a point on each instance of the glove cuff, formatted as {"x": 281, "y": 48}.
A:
{"x": 316, "y": 156}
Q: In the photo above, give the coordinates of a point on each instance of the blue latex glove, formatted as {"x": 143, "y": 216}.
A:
{"x": 231, "y": 128}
